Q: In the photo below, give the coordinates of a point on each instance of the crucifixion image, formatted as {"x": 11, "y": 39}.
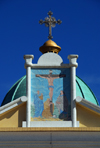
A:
{"x": 51, "y": 77}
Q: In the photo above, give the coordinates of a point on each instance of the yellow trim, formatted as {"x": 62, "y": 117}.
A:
{"x": 48, "y": 129}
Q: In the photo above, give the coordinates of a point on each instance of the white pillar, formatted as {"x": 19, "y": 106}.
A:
{"x": 28, "y": 59}
{"x": 73, "y": 64}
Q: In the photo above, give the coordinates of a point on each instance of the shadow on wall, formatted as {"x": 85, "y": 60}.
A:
{"x": 14, "y": 117}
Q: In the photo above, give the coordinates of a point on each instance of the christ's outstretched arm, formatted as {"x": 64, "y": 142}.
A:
{"x": 59, "y": 76}
{"x": 41, "y": 76}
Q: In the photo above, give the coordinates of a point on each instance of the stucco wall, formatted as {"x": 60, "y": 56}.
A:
{"x": 87, "y": 118}
{"x": 14, "y": 117}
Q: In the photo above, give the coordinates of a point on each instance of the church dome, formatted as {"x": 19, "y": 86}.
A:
{"x": 19, "y": 89}
{"x": 16, "y": 91}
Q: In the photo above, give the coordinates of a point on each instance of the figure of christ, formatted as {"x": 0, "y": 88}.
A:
{"x": 50, "y": 77}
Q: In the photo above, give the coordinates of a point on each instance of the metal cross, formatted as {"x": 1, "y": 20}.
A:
{"x": 50, "y": 22}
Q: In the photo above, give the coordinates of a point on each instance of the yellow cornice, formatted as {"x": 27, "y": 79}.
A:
{"x": 51, "y": 129}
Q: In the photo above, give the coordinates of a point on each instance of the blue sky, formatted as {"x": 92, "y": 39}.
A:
{"x": 20, "y": 34}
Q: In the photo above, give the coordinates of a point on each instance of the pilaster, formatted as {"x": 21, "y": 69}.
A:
{"x": 28, "y": 63}
{"x": 73, "y": 64}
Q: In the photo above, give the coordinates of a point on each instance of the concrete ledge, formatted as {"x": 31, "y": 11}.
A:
{"x": 50, "y": 124}
{"x": 46, "y": 66}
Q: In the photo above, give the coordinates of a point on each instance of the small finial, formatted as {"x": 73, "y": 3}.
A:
{"x": 50, "y": 22}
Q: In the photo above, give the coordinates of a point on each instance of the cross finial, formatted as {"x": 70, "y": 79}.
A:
{"x": 50, "y": 22}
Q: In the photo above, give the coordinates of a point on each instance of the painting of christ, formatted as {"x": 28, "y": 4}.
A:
{"x": 50, "y": 77}
{"x": 46, "y": 103}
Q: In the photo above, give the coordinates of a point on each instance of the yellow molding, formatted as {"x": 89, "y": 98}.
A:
{"x": 51, "y": 129}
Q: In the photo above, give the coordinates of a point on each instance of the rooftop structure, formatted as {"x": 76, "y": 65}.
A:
{"x": 19, "y": 89}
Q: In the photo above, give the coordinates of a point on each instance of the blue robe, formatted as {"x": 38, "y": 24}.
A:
{"x": 36, "y": 105}
{"x": 39, "y": 106}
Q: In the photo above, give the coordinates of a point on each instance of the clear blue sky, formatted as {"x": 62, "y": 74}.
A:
{"x": 20, "y": 34}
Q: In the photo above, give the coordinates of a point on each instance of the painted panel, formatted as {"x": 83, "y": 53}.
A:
{"x": 50, "y": 94}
